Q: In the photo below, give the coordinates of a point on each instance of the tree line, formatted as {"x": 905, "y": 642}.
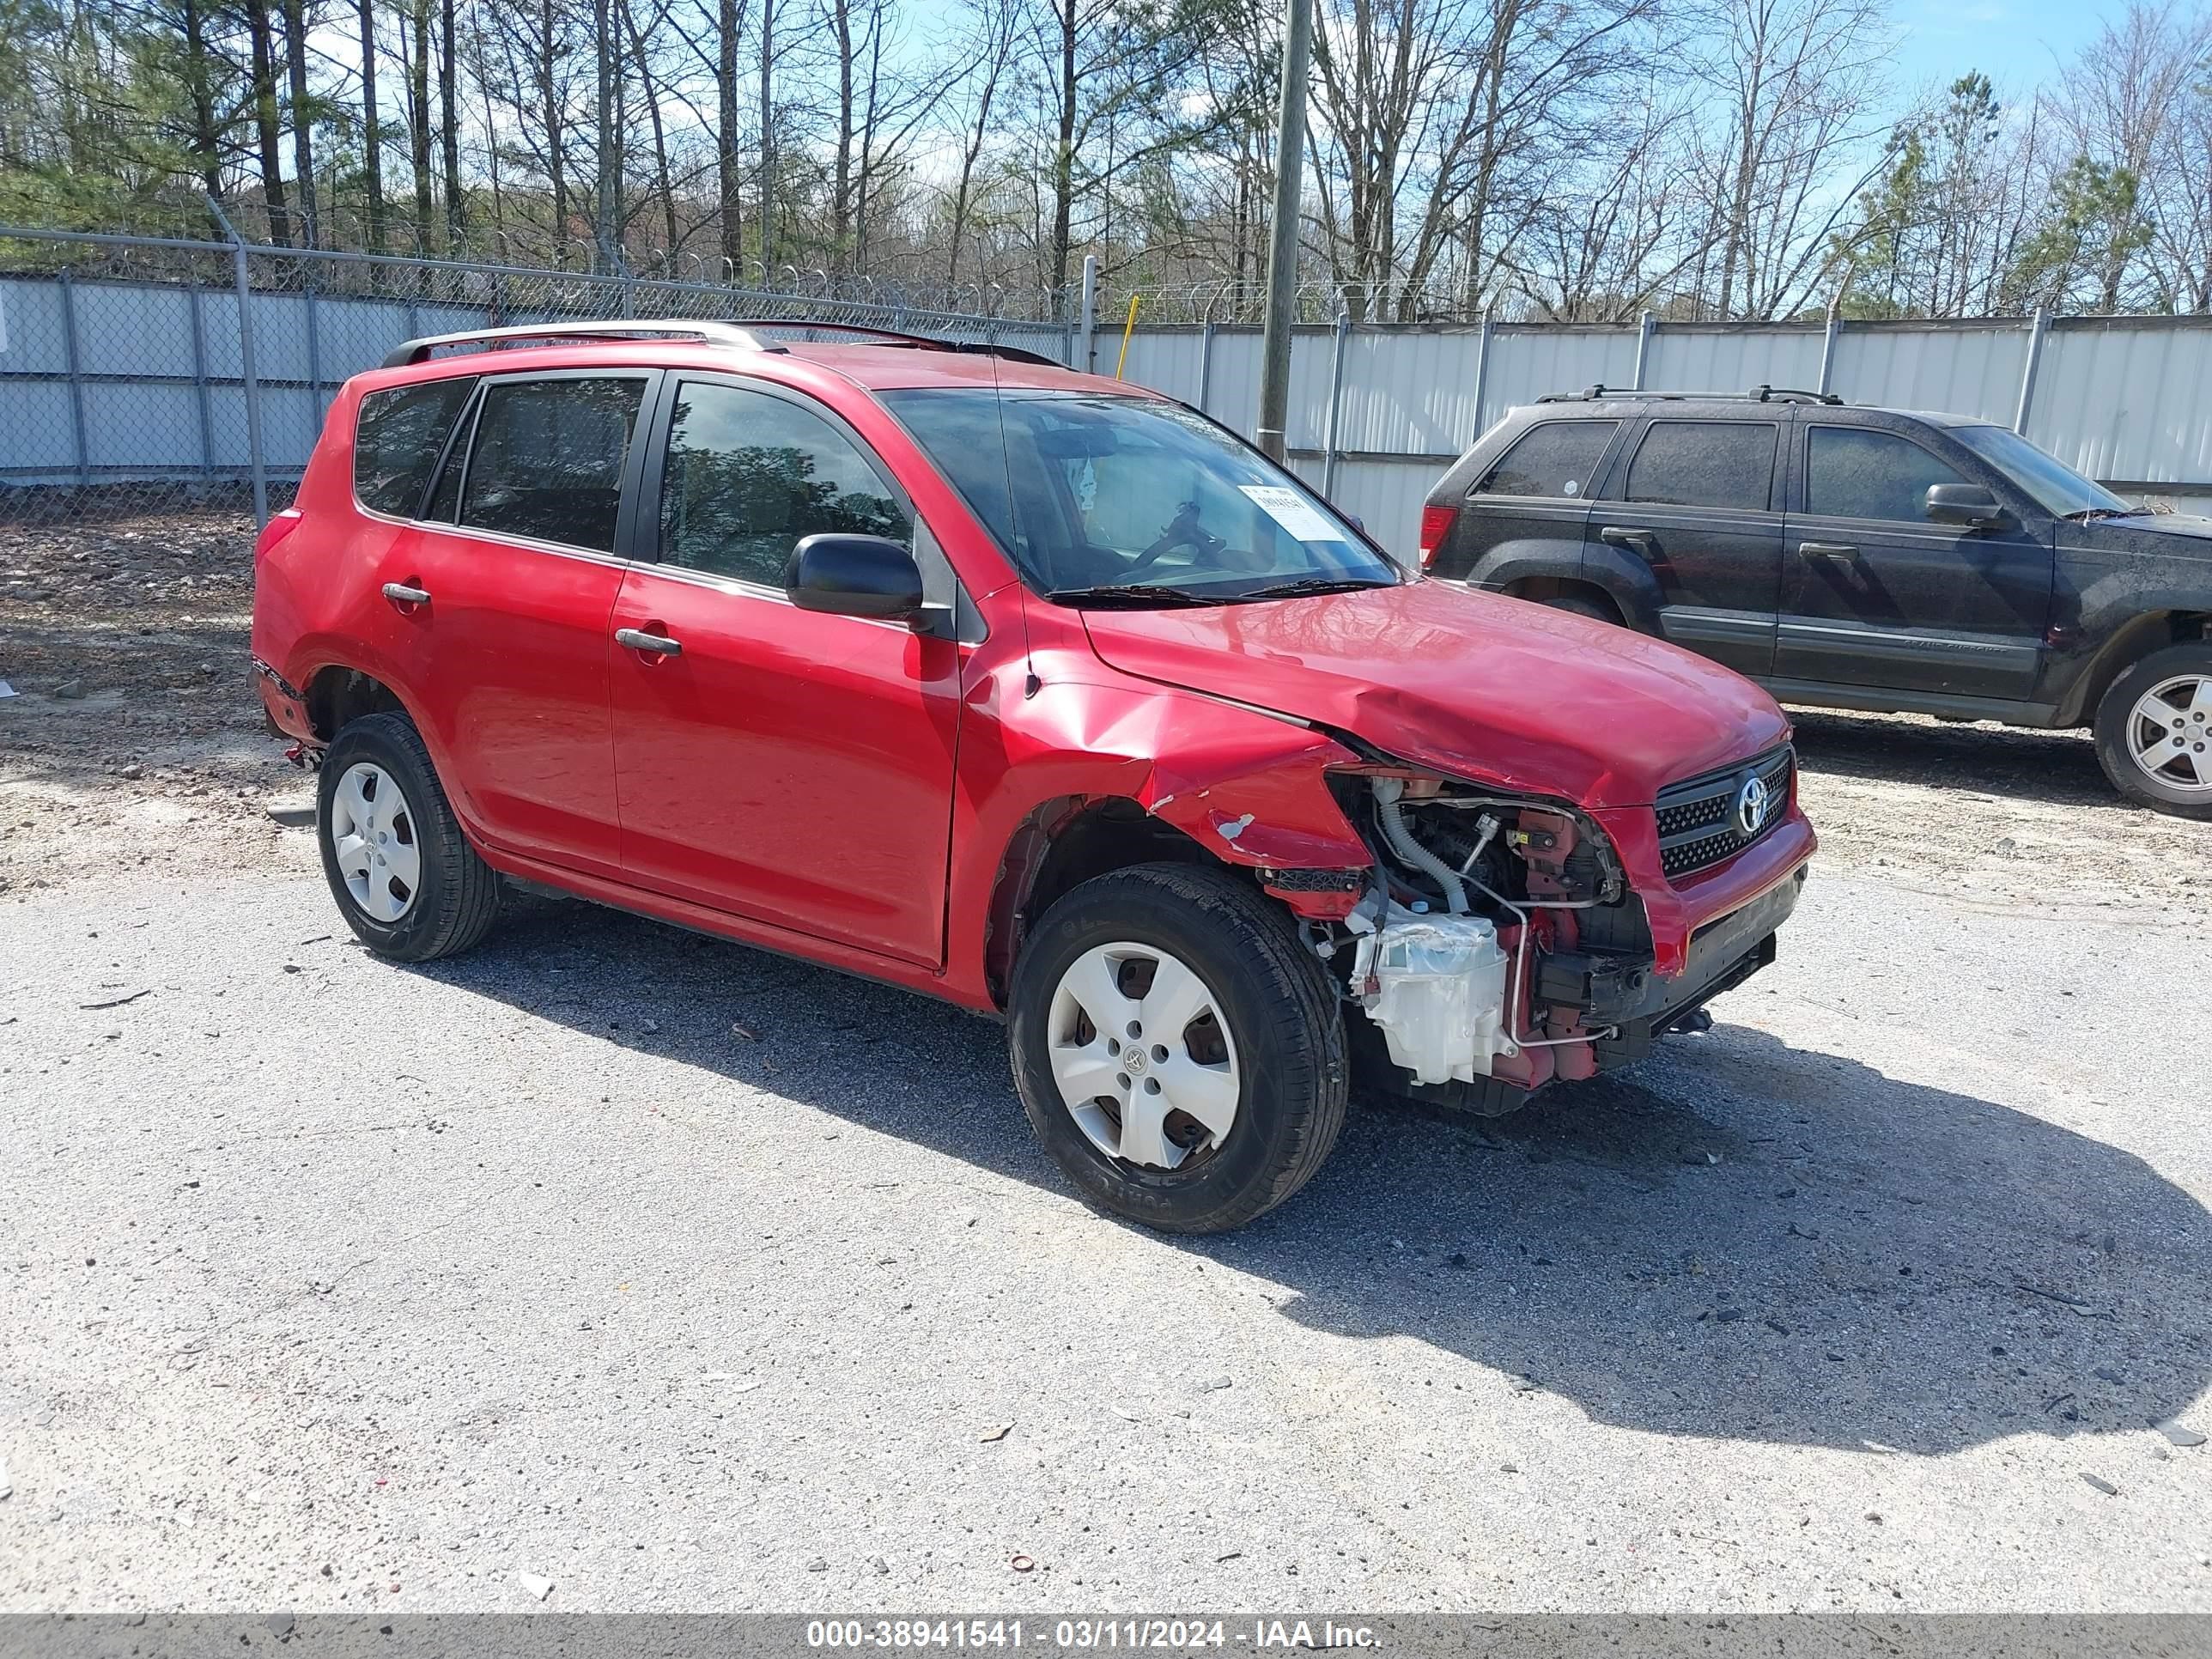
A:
{"x": 1571, "y": 160}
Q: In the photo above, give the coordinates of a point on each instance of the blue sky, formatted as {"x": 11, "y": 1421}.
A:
{"x": 2016, "y": 43}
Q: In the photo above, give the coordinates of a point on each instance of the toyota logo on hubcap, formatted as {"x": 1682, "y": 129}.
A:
{"x": 1750, "y": 803}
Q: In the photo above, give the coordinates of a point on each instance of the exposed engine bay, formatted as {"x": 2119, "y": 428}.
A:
{"x": 1498, "y": 946}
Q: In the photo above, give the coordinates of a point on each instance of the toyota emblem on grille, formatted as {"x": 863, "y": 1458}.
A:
{"x": 1751, "y": 804}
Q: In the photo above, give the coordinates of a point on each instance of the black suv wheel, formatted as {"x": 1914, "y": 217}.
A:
{"x": 2153, "y": 730}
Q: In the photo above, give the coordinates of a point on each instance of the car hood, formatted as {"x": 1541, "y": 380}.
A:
{"x": 1475, "y": 684}
{"x": 2179, "y": 535}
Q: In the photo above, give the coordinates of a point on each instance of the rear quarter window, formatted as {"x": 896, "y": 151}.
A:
{"x": 398, "y": 437}
{"x": 1559, "y": 458}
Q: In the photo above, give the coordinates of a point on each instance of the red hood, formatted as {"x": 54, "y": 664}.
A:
{"x": 1475, "y": 684}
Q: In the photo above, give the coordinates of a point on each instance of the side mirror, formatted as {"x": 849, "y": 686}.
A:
{"x": 1967, "y": 505}
{"x": 855, "y": 576}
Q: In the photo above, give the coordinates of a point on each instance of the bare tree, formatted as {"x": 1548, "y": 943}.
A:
{"x": 1798, "y": 82}
{"x": 372, "y": 134}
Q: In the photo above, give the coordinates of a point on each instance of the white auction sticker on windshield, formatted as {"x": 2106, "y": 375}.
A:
{"x": 1293, "y": 511}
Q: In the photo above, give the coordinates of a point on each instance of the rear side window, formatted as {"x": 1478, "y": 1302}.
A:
{"x": 1854, "y": 472}
{"x": 547, "y": 459}
{"x": 397, "y": 440}
{"x": 1705, "y": 464}
{"x": 1555, "y": 458}
{"x": 749, "y": 476}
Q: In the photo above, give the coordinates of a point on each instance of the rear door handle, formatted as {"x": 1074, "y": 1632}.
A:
{"x": 1640, "y": 541}
{"x": 638, "y": 640}
{"x": 1827, "y": 551}
{"x": 400, "y": 594}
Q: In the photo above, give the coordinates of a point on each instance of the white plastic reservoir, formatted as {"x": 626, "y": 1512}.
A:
{"x": 1440, "y": 995}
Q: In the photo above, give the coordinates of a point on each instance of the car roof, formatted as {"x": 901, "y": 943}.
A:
{"x": 876, "y": 360}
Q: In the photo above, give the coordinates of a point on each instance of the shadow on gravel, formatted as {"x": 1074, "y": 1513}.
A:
{"x": 1735, "y": 1241}
{"x": 2059, "y": 767}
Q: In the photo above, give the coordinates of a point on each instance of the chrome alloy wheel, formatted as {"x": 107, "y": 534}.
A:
{"x": 2170, "y": 733}
{"x": 1143, "y": 1056}
{"x": 372, "y": 832}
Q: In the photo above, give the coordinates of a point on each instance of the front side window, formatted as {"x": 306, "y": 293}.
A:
{"x": 749, "y": 476}
{"x": 1705, "y": 464}
{"x": 547, "y": 459}
{"x": 1855, "y": 472}
{"x": 1124, "y": 500}
{"x": 1559, "y": 458}
{"x": 397, "y": 439}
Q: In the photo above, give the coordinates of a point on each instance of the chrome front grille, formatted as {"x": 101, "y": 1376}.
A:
{"x": 1702, "y": 820}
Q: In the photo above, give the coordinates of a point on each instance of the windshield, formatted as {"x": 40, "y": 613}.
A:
{"x": 1132, "y": 500}
{"x": 2061, "y": 491}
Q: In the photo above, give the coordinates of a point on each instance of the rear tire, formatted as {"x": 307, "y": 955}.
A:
{"x": 1262, "y": 1061}
{"x": 2153, "y": 730}
{"x": 1576, "y": 605}
{"x": 404, "y": 876}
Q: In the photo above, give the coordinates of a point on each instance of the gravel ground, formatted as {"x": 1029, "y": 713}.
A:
{"x": 686, "y": 1277}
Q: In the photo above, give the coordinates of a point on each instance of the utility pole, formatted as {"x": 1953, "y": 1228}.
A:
{"x": 1282, "y": 242}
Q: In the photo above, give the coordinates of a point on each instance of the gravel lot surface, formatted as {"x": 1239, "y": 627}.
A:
{"x": 684, "y": 1277}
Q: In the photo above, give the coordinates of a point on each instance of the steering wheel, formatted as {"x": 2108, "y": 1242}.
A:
{"x": 1183, "y": 530}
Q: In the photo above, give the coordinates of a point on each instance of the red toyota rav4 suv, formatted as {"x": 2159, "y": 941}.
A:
{"x": 1021, "y": 688}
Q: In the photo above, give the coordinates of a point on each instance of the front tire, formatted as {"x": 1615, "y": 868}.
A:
{"x": 409, "y": 884}
{"x": 1180, "y": 1055}
{"x": 2153, "y": 730}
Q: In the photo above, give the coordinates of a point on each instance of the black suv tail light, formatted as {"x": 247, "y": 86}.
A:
{"x": 1437, "y": 524}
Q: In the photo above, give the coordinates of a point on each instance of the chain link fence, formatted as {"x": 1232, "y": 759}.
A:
{"x": 140, "y": 375}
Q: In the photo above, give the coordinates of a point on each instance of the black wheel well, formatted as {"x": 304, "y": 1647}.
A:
{"x": 2153, "y": 631}
{"x": 1540, "y": 589}
{"x": 338, "y": 695}
{"x": 1060, "y": 845}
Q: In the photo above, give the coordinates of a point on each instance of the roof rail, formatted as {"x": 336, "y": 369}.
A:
{"x": 1758, "y": 394}
{"x": 493, "y": 339}
{"x": 744, "y": 335}
{"x": 1783, "y": 394}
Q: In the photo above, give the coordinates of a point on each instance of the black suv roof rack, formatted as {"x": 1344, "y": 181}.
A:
{"x": 746, "y": 334}
{"x": 1758, "y": 394}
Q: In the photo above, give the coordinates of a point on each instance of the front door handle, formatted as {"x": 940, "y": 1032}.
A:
{"x": 1827, "y": 551}
{"x": 1638, "y": 541}
{"x": 659, "y": 644}
{"x": 400, "y": 594}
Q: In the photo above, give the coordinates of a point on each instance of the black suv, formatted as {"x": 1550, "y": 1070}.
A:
{"x": 1856, "y": 558}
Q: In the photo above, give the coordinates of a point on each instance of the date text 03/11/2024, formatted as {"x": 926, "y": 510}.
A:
{"x": 1109, "y": 1635}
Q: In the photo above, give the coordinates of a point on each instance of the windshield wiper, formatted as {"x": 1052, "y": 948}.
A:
{"x": 1313, "y": 585}
{"x": 1134, "y": 596}
{"x": 2089, "y": 512}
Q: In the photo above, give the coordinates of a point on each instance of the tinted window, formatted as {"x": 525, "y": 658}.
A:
{"x": 1703, "y": 464}
{"x": 1852, "y": 472}
{"x": 749, "y": 476}
{"x": 1556, "y": 459}
{"x": 547, "y": 461}
{"x": 398, "y": 438}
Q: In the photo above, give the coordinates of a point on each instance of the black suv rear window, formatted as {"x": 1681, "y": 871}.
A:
{"x": 1555, "y": 458}
{"x": 1705, "y": 464}
{"x": 398, "y": 438}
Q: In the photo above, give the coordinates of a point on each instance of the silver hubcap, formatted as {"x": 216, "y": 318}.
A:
{"x": 1144, "y": 1059}
{"x": 2170, "y": 733}
{"x": 372, "y": 832}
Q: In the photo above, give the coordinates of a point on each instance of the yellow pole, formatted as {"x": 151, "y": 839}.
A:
{"x": 1127, "y": 329}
